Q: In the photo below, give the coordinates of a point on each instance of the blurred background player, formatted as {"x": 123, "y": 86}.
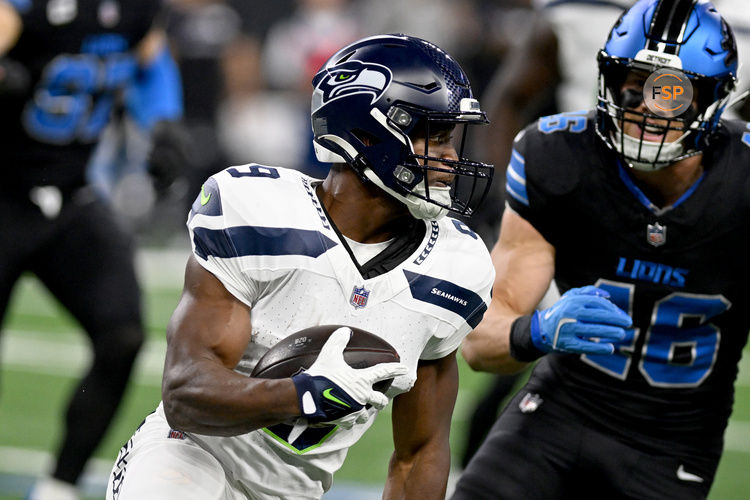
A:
{"x": 65, "y": 62}
{"x": 623, "y": 199}
{"x": 391, "y": 114}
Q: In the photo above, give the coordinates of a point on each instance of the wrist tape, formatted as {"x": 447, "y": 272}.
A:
{"x": 521, "y": 346}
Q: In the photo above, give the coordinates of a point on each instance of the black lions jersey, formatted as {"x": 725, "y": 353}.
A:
{"x": 679, "y": 271}
{"x": 79, "y": 56}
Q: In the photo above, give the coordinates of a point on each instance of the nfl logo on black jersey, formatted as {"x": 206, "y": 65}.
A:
{"x": 530, "y": 403}
{"x": 359, "y": 297}
{"x": 656, "y": 234}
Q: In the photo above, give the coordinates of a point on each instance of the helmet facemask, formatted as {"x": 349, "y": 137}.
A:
{"x": 649, "y": 150}
{"x": 460, "y": 184}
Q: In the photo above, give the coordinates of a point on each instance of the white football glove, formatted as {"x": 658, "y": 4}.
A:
{"x": 348, "y": 421}
{"x": 331, "y": 389}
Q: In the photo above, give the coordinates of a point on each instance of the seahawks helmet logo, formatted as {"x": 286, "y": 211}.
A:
{"x": 353, "y": 77}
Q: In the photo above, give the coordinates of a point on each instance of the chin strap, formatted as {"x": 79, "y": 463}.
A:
{"x": 419, "y": 208}
{"x": 646, "y": 155}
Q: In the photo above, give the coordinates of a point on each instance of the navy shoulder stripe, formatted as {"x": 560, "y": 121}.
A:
{"x": 447, "y": 295}
{"x": 254, "y": 240}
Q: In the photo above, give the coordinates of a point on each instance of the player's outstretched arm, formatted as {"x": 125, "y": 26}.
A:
{"x": 420, "y": 462}
{"x": 524, "y": 267}
{"x": 583, "y": 320}
{"x": 206, "y": 336}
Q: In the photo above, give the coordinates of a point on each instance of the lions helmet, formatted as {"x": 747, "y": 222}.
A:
{"x": 374, "y": 96}
{"x": 686, "y": 35}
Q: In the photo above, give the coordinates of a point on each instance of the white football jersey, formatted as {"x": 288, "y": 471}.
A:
{"x": 263, "y": 233}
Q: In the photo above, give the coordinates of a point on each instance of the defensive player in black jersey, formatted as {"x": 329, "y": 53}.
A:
{"x": 644, "y": 209}
{"x": 64, "y": 63}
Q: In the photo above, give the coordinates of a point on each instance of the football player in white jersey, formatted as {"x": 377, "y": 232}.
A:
{"x": 275, "y": 252}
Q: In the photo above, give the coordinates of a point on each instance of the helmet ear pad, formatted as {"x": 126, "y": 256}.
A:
{"x": 403, "y": 182}
{"x": 367, "y": 140}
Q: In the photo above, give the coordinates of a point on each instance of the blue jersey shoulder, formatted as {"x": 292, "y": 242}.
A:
{"x": 550, "y": 155}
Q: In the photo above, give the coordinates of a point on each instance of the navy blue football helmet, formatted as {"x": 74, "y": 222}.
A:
{"x": 374, "y": 96}
{"x": 687, "y": 35}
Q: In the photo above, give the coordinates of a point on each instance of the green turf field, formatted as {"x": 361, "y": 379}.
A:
{"x": 43, "y": 351}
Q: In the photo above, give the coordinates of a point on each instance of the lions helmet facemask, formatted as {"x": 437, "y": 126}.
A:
{"x": 373, "y": 97}
{"x": 686, "y": 35}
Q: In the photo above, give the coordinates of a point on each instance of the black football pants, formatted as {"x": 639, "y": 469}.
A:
{"x": 86, "y": 260}
{"x": 549, "y": 454}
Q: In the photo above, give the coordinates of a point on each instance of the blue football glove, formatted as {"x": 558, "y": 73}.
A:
{"x": 331, "y": 389}
{"x": 576, "y": 319}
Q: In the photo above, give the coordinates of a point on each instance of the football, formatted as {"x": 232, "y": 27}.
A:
{"x": 300, "y": 350}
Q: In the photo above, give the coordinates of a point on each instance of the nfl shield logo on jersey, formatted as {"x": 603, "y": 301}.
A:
{"x": 359, "y": 297}
{"x": 530, "y": 402}
{"x": 656, "y": 234}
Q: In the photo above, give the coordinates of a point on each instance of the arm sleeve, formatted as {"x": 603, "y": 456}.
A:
{"x": 448, "y": 338}
{"x": 445, "y": 341}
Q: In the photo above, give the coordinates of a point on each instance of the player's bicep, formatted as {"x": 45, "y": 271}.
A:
{"x": 422, "y": 416}
{"x": 524, "y": 264}
{"x": 209, "y": 322}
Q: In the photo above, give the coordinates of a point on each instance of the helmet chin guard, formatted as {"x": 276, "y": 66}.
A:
{"x": 371, "y": 99}
{"x": 417, "y": 203}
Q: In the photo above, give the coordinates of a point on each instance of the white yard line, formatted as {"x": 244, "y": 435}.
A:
{"x": 23, "y": 461}
{"x": 68, "y": 354}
